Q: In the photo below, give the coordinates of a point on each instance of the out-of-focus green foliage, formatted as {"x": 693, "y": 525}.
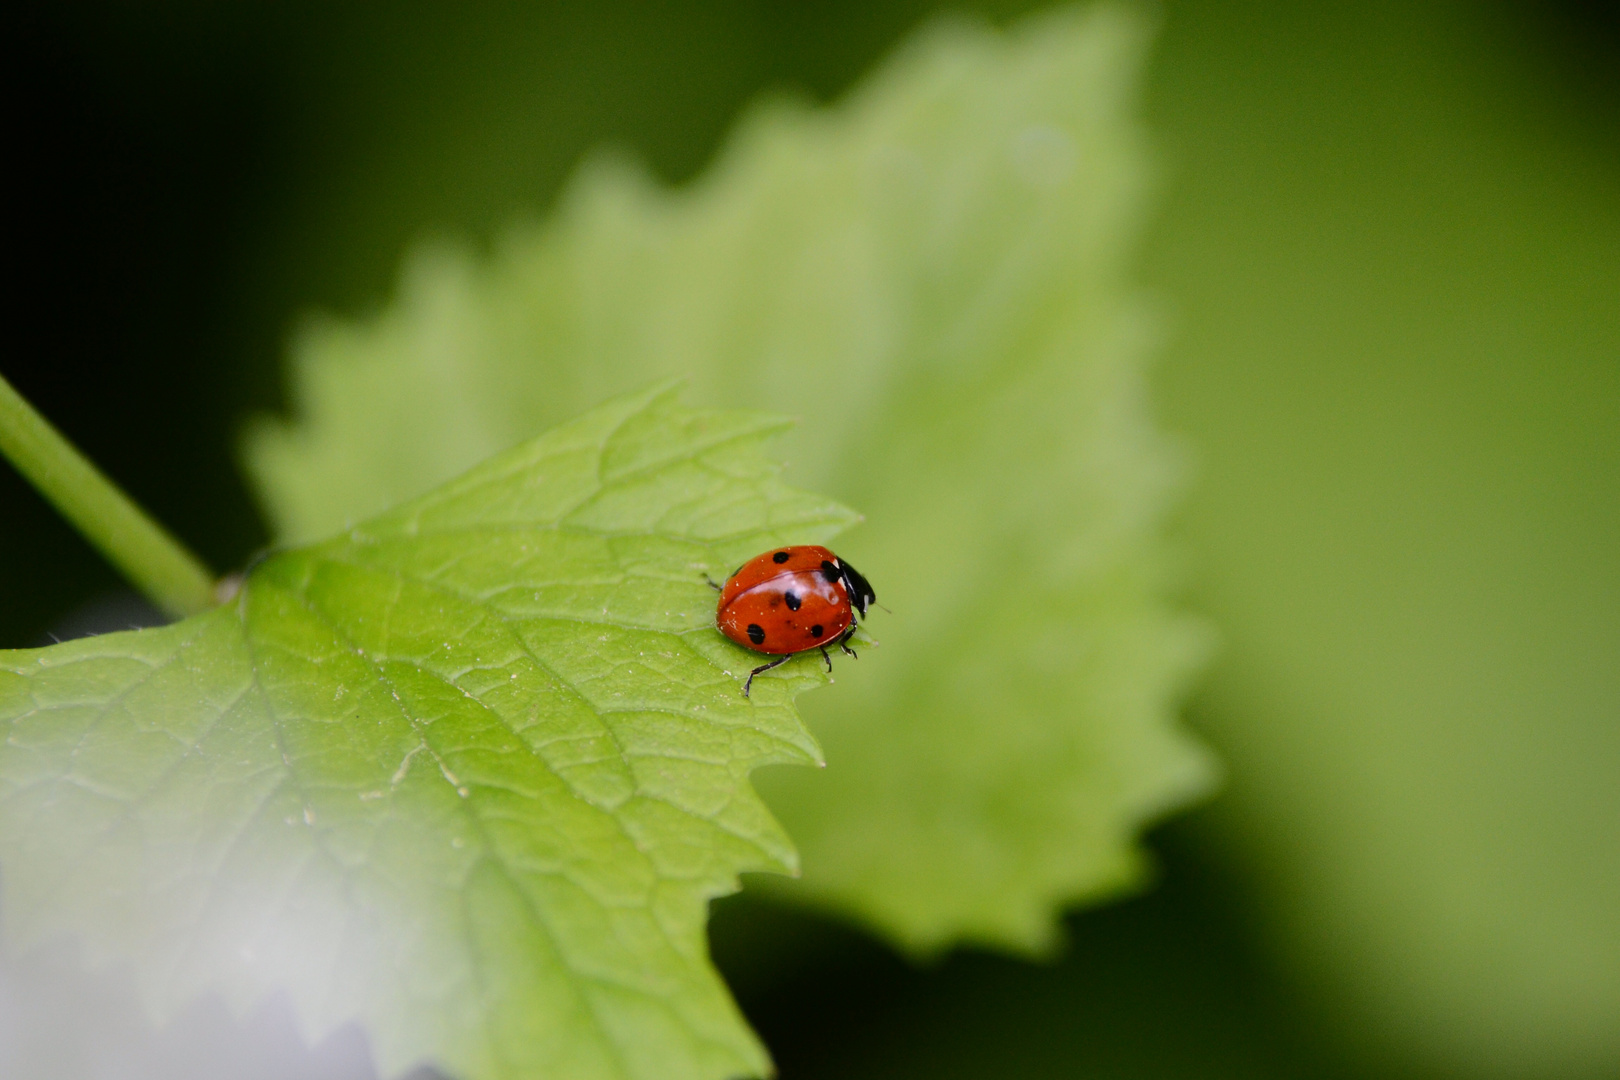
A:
{"x": 469, "y": 773}
{"x": 930, "y": 275}
{"x": 1394, "y": 250}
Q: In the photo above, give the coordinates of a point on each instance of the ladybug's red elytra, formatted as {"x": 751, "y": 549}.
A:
{"x": 790, "y": 600}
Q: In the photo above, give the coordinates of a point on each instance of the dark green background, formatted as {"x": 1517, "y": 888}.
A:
{"x": 1388, "y": 253}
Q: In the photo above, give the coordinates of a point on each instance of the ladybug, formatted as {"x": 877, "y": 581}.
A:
{"x": 791, "y": 600}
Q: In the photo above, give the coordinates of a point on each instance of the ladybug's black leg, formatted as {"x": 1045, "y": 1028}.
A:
{"x": 711, "y": 582}
{"x": 780, "y": 660}
{"x": 843, "y": 643}
{"x": 827, "y": 658}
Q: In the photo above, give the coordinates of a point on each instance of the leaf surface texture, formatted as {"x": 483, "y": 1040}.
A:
{"x": 468, "y": 773}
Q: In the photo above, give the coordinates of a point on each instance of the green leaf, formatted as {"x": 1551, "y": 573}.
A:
{"x": 468, "y": 773}
{"x": 931, "y": 274}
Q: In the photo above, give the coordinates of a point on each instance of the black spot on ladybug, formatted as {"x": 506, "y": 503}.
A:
{"x": 737, "y": 571}
{"x": 780, "y": 557}
{"x": 756, "y": 633}
{"x": 815, "y": 631}
{"x": 792, "y": 601}
{"x": 830, "y": 571}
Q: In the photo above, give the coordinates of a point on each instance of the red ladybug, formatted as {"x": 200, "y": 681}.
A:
{"x": 790, "y": 600}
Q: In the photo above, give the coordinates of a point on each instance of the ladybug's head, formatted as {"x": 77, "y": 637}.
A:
{"x": 857, "y": 588}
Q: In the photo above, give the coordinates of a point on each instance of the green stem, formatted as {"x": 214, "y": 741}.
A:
{"x": 153, "y": 561}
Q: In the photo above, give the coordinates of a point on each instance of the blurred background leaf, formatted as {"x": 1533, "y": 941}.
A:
{"x": 929, "y": 275}
{"x": 1397, "y": 276}
{"x": 1387, "y": 244}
